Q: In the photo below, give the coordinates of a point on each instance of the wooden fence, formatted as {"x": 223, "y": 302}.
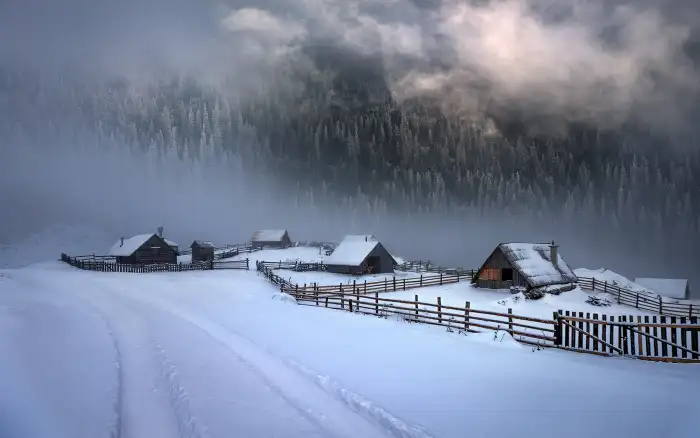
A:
{"x": 641, "y": 301}
{"x": 380, "y": 286}
{"x": 626, "y": 297}
{"x": 534, "y": 331}
{"x": 295, "y": 266}
{"x": 643, "y": 337}
{"x": 670, "y": 339}
{"x": 110, "y": 266}
{"x": 427, "y": 266}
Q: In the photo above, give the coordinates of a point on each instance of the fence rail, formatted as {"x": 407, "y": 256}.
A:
{"x": 641, "y": 301}
{"x": 427, "y": 266}
{"x": 105, "y": 266}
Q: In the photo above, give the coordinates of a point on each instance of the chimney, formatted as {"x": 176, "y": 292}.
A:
{"x": 554, "y": 253}
{"x": 122, "y": 244}
{"x": 365, "y": 238}
{"x": 160, "y": 231}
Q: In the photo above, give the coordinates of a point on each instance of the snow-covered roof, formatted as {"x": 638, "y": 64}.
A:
{"x": 268, "y": 235}
{"x": 352, "y": 251}
{"x": 171, "y": 243}
{"x": 129, "y": 246}
{"x": 202, "y": 244}
{"x": 534, "y": 262}
{"x": 666, "y": 287}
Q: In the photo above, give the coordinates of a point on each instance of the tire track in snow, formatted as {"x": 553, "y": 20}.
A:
{"x": 367, "y": 408}
{"x": 187, "y": 424}
{"x": 118, "y": 426}
{"x": 258, "y": 359}
{"x": 178, "y": 399}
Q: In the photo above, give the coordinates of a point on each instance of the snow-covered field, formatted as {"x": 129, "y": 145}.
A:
{"x": 199, "y": 354}
{"x": 457, "y": 294}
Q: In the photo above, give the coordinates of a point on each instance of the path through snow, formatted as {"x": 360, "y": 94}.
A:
{"x": 173, "y": 373}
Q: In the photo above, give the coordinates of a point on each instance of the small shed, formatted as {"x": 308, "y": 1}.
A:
{"x": 528, "y": 265}
{"x": 143, "y": 249}
{"x": 202, "y": 251}
{"x": 276, "y": 239}
{"x": 360, "y": 254}
{"x": 666, "y": 287}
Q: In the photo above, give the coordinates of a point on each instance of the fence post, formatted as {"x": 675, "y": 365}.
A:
{"x": 636, "y": 303}
{"x": 690, "y": 310}
{"x": 557, "y": 329}
{"x": 466, "y": 316}
{"x": 404, "y": 284}
{"x": 326, "y": 301}
{"x": 385, "y": 284}
{"x": 394, "y": 280}
{"x": 365, "y": 286}
{"x": 317, "y": 298}
{"x": 354, "y": 287}
{"x": 457, "y": 276}
{"x": 510, "y": 321}
{"x": 296, "y": 291}
{"x": 350, "y": 305}
{"x": 247, "y": 265}
{"x": 439, "y": 308}
{"x": 211, "y": 265}
{"x": 661, "y": 306}
{"x": 416, "y": 308}
{"x": 605, "y": 286}
{"x": 440, "y": 278}
{"x": 421, "y": 280}
{"x": 341, "y": 288}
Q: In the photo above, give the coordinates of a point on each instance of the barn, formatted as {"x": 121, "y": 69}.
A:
{"x": 202, "y": 251}
{"x": 143, "y": 249}
{"x": 360, "y": 254}
{"x": 271, "y": 239}
{"x": 528, "y": 265}
{"x": 666, "y": 287}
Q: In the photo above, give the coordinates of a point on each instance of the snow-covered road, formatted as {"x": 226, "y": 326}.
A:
{"x": 167, "y": 371}
{"x": 221, "y": 354}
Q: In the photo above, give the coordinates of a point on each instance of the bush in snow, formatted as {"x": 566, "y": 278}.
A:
{"x": 600, "y": 302}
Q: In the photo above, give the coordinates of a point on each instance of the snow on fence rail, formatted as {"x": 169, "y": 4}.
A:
{"x": 111, "y": 266}
{"x": 671, "y": 340}
{"x": 641, "y": 301}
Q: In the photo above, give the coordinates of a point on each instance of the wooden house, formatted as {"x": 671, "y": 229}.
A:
{"x": 528, "y": 265}
{"x": 202, "y": 251}
{"x": 360, "y": 254}
{"x": 271, "y": 239}
{"x": 143, "y": 249}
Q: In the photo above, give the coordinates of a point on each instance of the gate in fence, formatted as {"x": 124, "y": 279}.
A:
{"x": 672, "y": 339}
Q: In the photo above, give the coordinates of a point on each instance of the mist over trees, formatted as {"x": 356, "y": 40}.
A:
{"x": 347, "y": 142}
{"x": 344, "y": 130}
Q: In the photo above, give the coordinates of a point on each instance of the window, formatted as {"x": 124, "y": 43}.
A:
{"x": 507, "y": 274}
